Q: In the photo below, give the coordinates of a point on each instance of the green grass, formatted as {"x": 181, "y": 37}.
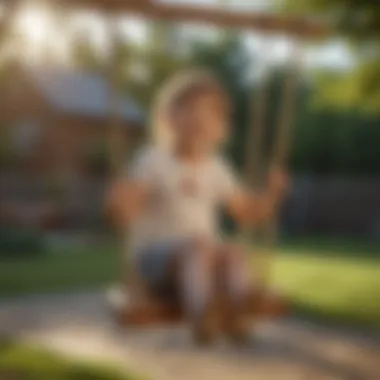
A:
{"x": 335, "y": 280}
{"x": 346, "y": 290}
{"x": 64, "y": 271}
{"x": 21, "y": 362}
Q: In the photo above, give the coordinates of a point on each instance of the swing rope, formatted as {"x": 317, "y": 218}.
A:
{"x": 255, "y": 136}
{"x": 280, "y": 155}
{"x": 255, "y": 133}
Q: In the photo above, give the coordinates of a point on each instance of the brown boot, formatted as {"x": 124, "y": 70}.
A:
{"x": 206, "y": 326}
{"x": 239, "y": 332}
{"x": 238, "y": 324}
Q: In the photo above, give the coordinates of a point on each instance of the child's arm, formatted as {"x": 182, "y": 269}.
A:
{"x": 128, "y": 195}
{"x": 252, "y": 208}
{"x": 125, "y": 200}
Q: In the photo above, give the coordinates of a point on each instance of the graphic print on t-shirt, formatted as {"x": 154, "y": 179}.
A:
{"x": 189, "y": 187}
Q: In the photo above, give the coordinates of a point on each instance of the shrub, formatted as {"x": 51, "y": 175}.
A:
{"x": 18, "y": 242}
{"x": 97, "y": 159}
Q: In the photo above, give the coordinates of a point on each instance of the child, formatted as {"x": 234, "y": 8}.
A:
{"x": 171, "y": 196}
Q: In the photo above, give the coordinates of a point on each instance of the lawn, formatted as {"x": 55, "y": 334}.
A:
{"x": 346, "y": 290}
{"x": 24, "y": 362}
{"x": 337, "y": 280}
{"x": 60, "y": 271}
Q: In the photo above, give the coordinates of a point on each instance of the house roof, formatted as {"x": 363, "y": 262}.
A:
{"x": 84, "y": 94}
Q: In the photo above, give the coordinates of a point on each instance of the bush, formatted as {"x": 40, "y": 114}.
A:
{"x": 21, "y": 242}
{"x": 97, "y": 159}
{"x": 8, "y": 156}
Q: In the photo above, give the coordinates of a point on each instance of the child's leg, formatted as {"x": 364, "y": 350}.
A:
{"x": 197, "y": 277}
{"x": 236, "y": 278}
{"x": 235, "y": 269}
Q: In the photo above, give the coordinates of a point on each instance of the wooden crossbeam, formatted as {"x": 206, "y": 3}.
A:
{"x": 300, "y": 27}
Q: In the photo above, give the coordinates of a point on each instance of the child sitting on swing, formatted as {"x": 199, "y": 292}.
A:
{"x": 170, "y": 199}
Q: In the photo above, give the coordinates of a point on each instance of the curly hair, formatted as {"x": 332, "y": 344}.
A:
{"x": 177, "y": 91}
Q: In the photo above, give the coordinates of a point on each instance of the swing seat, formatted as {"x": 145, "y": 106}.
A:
{"x": 160, "y": 312}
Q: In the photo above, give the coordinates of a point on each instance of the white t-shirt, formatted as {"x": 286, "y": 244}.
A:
{"x": 185, "y": 201}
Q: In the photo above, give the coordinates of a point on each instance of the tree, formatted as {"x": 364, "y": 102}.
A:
{"x": 331, "y": 142}
{"x": 84, "y": 54}
{"x": 359, "y": 22}
{"x": 147, "y": 66}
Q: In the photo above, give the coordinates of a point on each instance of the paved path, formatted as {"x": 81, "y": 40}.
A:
{"x": 294, "y": 350}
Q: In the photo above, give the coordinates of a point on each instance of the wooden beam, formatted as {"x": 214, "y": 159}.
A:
{"x": 269, "y": 23}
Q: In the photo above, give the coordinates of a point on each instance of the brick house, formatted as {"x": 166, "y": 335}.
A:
{"x": 58, "y": 119}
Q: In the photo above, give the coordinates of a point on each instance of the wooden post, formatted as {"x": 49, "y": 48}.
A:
{"x": 116, "y": 133}
{"x": 118, "y": 150}
{"x": 67, "y": 176}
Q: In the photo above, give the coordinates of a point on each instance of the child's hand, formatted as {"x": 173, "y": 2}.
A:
{"x": 278, "y": 181}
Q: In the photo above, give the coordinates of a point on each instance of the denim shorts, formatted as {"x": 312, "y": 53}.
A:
{"x": 155, "y": 265}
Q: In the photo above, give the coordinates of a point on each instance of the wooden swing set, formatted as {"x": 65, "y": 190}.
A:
{"x": 262, "y": 304}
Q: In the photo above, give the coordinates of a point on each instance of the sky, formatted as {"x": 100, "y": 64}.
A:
{"x": 39, "y": 28}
